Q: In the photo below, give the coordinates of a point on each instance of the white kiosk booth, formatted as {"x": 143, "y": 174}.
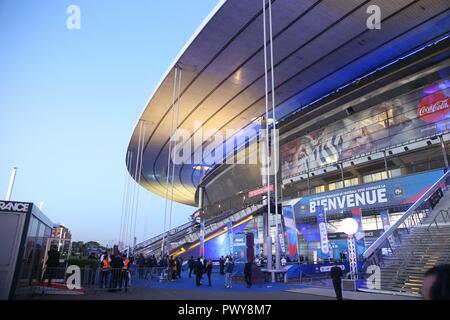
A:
{"x": 24, "y": 231}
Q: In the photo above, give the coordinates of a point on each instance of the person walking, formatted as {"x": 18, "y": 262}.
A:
{"x": 248, "y": 273}
{"x": 221, "y": 265}
{"x": 208, "y": 270}
{"x": 171, "y": 267}
{"x": 179, "y": 261}
{"x": 336, "y": 275}
{"x": 198, "y": 271}
{"x": 191, "y": 265}
{"x": 229, "y": 266}
{"x": 51, "y": 263}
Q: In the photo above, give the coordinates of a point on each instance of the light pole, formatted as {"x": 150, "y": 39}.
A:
{"x": 350, "y": 227}
{"x": 11, "y": 184}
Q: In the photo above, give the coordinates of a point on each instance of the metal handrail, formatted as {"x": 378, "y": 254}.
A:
{"x": 377, "y": 243}
{"x": 441, "y": 213}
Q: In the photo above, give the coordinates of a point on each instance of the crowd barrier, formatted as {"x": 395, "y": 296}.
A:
{"x": 83, "y": 280}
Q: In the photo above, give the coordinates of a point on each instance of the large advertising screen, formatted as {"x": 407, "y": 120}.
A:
{"x": 420, "y": 113}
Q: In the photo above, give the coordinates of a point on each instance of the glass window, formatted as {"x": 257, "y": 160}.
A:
{"x": 33, "y": 227}
{"x": 351, "y": 182}
{"x": 335, "y": 185}
{"x": 395, "y": 172}
{"x": 319, "y": 189}
{"x": 41, "y": 229}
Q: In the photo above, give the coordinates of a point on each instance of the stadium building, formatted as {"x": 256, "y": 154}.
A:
{"x": 363, "y": 131}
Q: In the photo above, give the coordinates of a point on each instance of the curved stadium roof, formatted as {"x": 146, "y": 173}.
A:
{"x": 319, "y": 46}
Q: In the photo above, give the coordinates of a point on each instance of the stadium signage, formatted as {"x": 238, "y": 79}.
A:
{"x": 390, "y": 192}
{"x": 350, "y": 199}
{"x": 11, "y": 206}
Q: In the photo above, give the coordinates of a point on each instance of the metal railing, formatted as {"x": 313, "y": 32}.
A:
{"x": 92, "y": 281}
{"x": 414, "y": 216}
{"x": 444, "y": 214}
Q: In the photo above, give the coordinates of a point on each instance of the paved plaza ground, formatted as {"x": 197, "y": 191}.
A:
{"x": 185, "y": 289}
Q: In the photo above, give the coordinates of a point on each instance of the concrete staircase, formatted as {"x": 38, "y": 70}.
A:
{"x": 424, "y": 248}
{"x": 426, "y": 245}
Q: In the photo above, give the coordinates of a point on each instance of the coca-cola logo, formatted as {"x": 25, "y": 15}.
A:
{"x": 434, "y": 107}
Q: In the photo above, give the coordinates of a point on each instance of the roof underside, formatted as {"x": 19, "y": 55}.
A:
{"x": 318, "y": 47}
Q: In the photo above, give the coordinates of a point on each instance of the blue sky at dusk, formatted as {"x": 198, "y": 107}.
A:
{"x": 69, "y": 100}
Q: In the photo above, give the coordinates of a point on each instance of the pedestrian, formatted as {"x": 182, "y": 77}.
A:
{"x": 171, "y": 267}
{"x": 229, "y": 266}
{"x": 179, "y": 266}
{"x": 208, "y": 268}
{"x": 116, "y": 268}
{"x": 92, "y": 256}
{"x": 51, "y": 263}
{"x": 436, "y": 283}
{"x": 175, "y": 270}
{"x": 125, "y": 272}
{"x": 92, "y": 273}
{"x": 283, "y": 261}
{"x": 336, "y": 275}
{"x": 191, "y": 264}
{"x": 148, "y": 264}
{"x": 141, "y": 265}
{"x": 198, "y": 271}
{"x": 248, "y": 273}
{"x": 222, "y": 265}
{"x": 105, "y": 268}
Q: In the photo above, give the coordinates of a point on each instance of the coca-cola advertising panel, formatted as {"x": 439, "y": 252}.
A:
{"x": 420, "y": 113}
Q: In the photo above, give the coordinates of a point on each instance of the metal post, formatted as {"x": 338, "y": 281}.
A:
{"x": 307, "y": 174}
{"x": 352, "y": 256}
{"x": 444, "y": 152}
{"x": 274, "y": 140}
{"x": 342, "y": 174}
{"x": 12, "y": 179}
{"x": 265, "y": 201}
{"x": 385, "y": 165}
{"x": 269, "y": 256}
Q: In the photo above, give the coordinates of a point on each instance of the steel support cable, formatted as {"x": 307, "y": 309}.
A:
{"x": 141, "y": 160}
{"x": 140, "y": 156}
{"x": 267, "y": 149}
{"x": 124, "y": 191}
{"x": 128, "y": 200}
{"x": 133, "y": 204}
{"x": 168, "y": 161}
{"x": 175, "y": 157}
{"x": 274, "y": 138}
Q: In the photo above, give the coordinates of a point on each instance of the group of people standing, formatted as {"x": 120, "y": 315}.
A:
{"x": 116, "y": 270}
{"x": 203, "y": 266}
{"x": 200, "y": 267}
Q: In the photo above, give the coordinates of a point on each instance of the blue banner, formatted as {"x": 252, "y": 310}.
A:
{"x": 291, "y": 232}
{"x": 397, "y": 191}
{"x": 359, "y": 236}
{"x": 322, "y": 223}
{"x": 230, "y": 236}
{"x": 202, "y": 240}
{"x": 384, "y": 214}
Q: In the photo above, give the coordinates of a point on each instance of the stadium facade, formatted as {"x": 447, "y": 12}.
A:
{"x": 363, "y": 120}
